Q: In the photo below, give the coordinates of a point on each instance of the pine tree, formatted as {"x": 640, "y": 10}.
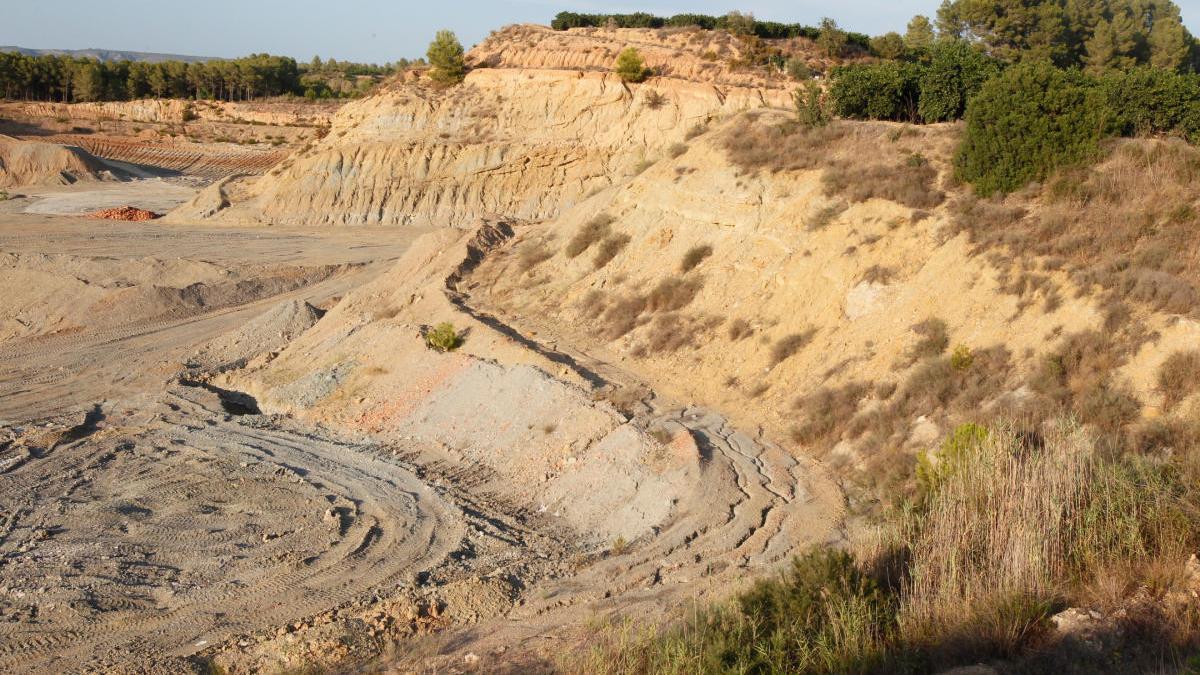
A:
{"x": 630, "y": 66}
{"x": 832, "y": 40}
{"x": 888, "y": 46}
{"x": 1169, "y": 43}
{"x": 919, "y": 36}
{"x": 445, "y": 56}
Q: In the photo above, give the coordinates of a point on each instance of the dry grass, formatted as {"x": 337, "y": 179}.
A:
{"x": 1078, "y": 377}
{"x": 1179, "y": 377}
{"x": 673, "y": 294}
{"x": 694, "y": 256}
{"x": 672, "y": 332}
{"x": 625, "y": 313}
{"x": 826, "y": 410}
{"x": 1127, "y": 225}
{"x": 1015, "y": 526}
{"x": 677, "y": 150}
{"x": 825, "y": 216}
{"x": 786, "y": 347}
{"x": 877, "y": 274}
{"x": 740, "y": 329}
{"x": 935, "y": 338}
{"x": 609, "y": 248}
{"x": 593, "y": 231}
{"x": 906, "y": 183}
{"x": 531, "y": 255}
{"x": 755, "y": 146}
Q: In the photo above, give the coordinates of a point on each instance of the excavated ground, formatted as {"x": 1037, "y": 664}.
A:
{"x": 150, "y": 522}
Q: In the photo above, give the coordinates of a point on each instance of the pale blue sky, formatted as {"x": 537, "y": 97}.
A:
{"x": 374, "y": 30}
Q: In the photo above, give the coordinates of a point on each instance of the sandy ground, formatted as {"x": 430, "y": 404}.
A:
{"x": 49, "y": 374}
{"x": 153, "y": 194}
{"x": 152, "y": 521}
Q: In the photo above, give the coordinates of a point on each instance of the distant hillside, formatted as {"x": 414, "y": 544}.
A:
{"x": 110, "y": 54}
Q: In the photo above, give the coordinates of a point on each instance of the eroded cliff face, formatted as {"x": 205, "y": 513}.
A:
{"x": 536, "y": 126}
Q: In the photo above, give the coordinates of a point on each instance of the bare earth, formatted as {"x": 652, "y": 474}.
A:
{"x": 50, "y": 373}
{"x": 229, "y": 447}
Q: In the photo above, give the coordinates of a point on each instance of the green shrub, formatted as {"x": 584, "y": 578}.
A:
{"x": 1027, "y": 122}
{"x": 955, "y": 73}
{"x": 962, "y": 358}
{"x": 956, "y": 448}
{"x": 798, "y": 69}
{"x": 3, "y": 196}
{"x": 888, "y": 46}
{"x": 822, "y": 615}
{"x": 445, "y": 56}
{"x": 877, "y": 91}
{"x": 630, "y": 67}
{"x": 443, "y": 338}
{"x": 1154, "y": 101}
{"x": 811, "y": 110}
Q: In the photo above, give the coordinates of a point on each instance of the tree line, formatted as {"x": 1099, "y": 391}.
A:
{"x": 70, "y": 79}
{"x": 734, "y": 22}
{"x": 1034, "y": 99}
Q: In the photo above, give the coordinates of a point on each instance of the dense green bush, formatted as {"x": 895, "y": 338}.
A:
{"x": 882, "y": 91}
{"x": 811, "y": 110}
{"x": 630, "y": 66}
{"x": 1153, "y": 101}
{"x": 443, "y": 338}
{"x": 1029, "y": 121}
{"x": 955, "y": 73}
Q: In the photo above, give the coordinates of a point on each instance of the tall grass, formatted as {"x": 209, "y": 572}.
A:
{"x": 1014, "y": 527}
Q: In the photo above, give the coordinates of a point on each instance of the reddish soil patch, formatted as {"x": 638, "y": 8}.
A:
{"x": 125, "y": 213}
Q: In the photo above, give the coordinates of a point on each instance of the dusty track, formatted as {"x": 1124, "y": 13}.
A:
{"x": 146, "y": 543}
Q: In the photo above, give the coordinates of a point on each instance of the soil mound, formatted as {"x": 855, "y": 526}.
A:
{"x": 31, "y": 163}
{"x": 124, "y": 213}
{"x": 269, "y": 332}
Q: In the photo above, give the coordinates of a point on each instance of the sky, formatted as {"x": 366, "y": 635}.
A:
{"x": 376, "y": 31}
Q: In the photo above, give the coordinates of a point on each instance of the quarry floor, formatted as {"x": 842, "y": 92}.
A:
{"x": 150, "y": 522}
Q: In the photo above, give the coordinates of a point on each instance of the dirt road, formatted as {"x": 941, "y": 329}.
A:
{"x": 45, "y": 375}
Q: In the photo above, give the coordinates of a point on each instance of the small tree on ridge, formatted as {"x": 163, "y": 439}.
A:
{"x": 630, "y": 66}
{"x": 446, "y": 58}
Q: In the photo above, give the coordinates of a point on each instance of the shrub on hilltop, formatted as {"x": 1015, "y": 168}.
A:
{"x": 1029, "y": 121}
{"x": 446, "y": 59}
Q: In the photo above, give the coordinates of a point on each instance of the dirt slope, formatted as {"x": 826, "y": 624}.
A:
{"x": 34, "y": 163}
{"x": 521, "y": 139}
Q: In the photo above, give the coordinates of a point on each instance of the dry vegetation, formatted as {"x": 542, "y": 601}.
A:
{"x": 593, "y": 231}
{"x": 895, "y": 172}
{"x": 1128, "y": 225}
{"x": 1179, "y": 377}
{"x": 694, "y": 256}
{"x": 620, "y": 315}
{"x": 1013, "y": 527}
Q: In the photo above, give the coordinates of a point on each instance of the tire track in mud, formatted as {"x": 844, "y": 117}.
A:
{"x": 232, "y": 527}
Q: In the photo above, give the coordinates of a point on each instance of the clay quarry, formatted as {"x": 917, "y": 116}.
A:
{"x": 686, "y": 344}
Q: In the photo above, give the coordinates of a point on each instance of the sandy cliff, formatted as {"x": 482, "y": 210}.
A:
{"x": 536, "y": 126}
